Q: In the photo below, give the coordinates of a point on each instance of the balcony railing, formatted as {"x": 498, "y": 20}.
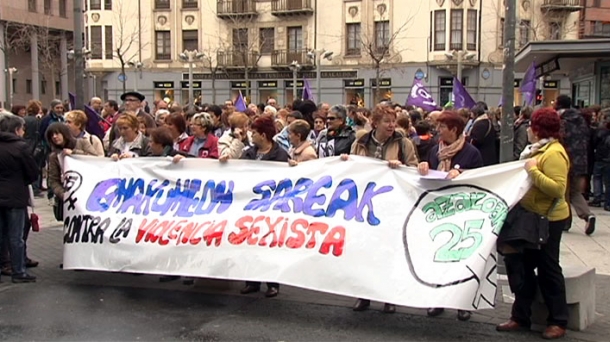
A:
{"x": 291, "y": 7}
{"x": 283, "y": 58}
{"x": 561, "y": 5}
{"x": 236, "y": 8}
{"x": 234, "y": 59}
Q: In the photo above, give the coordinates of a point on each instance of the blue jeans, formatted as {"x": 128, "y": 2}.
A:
{"x": 11, "y": 228}
{"x": 598, "y": 181}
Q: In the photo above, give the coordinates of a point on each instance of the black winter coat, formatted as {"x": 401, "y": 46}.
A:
{"x": 576, "y": 137}
{"x": 276, "y": 154}
{"x": 18, "y": 169}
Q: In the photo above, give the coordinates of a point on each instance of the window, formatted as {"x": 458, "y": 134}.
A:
{"x": 266, "y": 38}
{"x": 382, "y": 36}
{"x": 189, "y": 3}
{"x": 163, "y": 45}
{"x": 161, "y": 4}
{"x": 14, "y": 86}
{"x": 108, "y": 46}
{"x": 295, "y": 38}
{"x": 108, "y": 5}
{"x": 440, "y": 22}
{"x": 601, "y": 28}
{"x": 62, "y": 9}
{"x": 457, "y": 29}
{"x": 47, "y": 7}
{"x": 28, "y": 86}
{"x": 190, "y": 40}
{"x": 32, "y": 8}
{"x": 352, "y": 40}
{"x": 555, "y": 30}
{"x": 501, "y": 34}
{"x": 95, "y": 4}
{"x": 57, "y": 88}
{"x": 240, "y": 39}
{"x": 43, "y": 87}
{"x": 471, "y": 30}
{"x": 96, "y": 42}
{"x": 524, "y": 32}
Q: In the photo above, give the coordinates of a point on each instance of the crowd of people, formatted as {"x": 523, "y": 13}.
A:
{"x": 567, "y": 152}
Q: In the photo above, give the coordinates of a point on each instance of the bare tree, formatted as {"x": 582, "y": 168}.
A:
{"x": 210, "y": 63}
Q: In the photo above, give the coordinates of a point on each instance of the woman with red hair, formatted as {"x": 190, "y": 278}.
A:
{"x": 547, "y": 165}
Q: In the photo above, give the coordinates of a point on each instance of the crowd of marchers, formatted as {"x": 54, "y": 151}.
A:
{"x": 566, "y": 153}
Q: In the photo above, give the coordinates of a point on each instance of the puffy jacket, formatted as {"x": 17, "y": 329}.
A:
{"x": 333, "y": 143}
{"x": 18, "y": 169}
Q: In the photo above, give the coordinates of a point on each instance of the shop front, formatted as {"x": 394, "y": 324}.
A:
{"x": 385, "y": 90}
{"x": 197, "y": 86}
{"x": 164, "y": 90}
{"x": 518, "y": 96}
{"x": 354, "y": 91}
{"x": 267, "y": 90}
{"x": 549, "y": 92}
{"x": 241, "y": 86}
{"x": 289, "y": 90}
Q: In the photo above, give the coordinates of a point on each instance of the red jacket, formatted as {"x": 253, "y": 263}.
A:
{"x": 208, "y": 150}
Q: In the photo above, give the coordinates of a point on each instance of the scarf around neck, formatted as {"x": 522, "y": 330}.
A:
{"x": 531, "y": 150}
{"x": 447, "y": 152}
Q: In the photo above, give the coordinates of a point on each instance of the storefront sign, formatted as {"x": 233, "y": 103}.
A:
{"x": 355, "y": 228}
{"x": 163, "y": 85}
{"x": 383, "y": 82}
{"x": 196, "y": 84}
{"x": 550, "y": 84}
{"x": 446, "y": 81}
{"x": 240, "y": 84}
{"x": 547, "y": 67}
{"x": 271, "y": 75}
{"x": 356, "y": 83}
{"x": 288, "y": 84}
{"x": 267, "y": 84}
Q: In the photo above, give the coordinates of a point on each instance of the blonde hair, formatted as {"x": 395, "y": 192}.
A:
{"x": 78, "y": 118}
{"x": 130, "y": 119}
{"x": 205, "y": 120}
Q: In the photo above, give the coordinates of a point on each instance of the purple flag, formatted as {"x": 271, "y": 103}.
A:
{"x": 501, "y": 101}
{"x": 93, "y": 122}
{"x": 528, "y": 85}
{"x": 461, "y": 97}
{"x": 307, "y": 93}
{"x": 240, "y": 103}
{"x": 420, "y": 97}
{"x": 72, "y": 101}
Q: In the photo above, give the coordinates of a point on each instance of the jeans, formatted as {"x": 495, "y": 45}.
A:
{"x": 598, "y": 184}
{"x": 522, "y": 279}
{"x": 5, "y": 255}
{"x": 12, "y": 221}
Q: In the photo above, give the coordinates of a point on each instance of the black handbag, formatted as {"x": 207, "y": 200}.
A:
{"x": 58, "y": 209}
{"x": 524, "y": 229}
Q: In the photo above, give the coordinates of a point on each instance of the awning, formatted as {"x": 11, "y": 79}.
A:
{"x": 559, "y": 57}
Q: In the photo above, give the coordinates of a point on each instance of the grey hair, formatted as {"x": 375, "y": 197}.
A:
{"x": 340, "y": 110}
{"x": 10, "y": 122}
{"x": 161, "y": 112}
{"x": 55, "y": 103}
{"x": 205, "y": 120}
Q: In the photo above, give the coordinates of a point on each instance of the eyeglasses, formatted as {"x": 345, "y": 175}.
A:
{"x": 331, "y": 118}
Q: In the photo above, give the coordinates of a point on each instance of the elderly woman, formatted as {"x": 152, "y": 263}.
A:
{"x": 301, "y": 149}
{"x": 203, "y": 143}
{"x": 160, "y": 116}
{"x": 76, "y": 121}
{"x": 338, "y": 138}
{"x": 453, "y": 155}
{"x": 384, "y": 143}
{"x": 547, "y": 165}
{"x": 233, "y": 141}
{"x": 131, "y": 143}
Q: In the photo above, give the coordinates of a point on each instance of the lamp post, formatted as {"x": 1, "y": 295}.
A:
{"x": 316, "y": 56}
{"x": 294, "y": 67}
{"x": 137, "y": 69}
{"x": 10, "y": 72}
{"x": 191, "y": 58}
{"x": 79, "y": 58}
{"x": 460, "y": 56}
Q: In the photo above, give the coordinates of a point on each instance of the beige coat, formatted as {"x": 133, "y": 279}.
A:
{"x": 303, "y": 153}
{"x": 228, "y": 145}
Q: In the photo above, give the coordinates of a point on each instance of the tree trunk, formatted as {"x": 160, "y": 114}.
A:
{"x": 247, "y": 77}
{"x": 124, "y": 75}
{"x": 214, "y": 86}
{"x": 378, "y": 81}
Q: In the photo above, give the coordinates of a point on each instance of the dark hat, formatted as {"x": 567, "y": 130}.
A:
{"x": 134, "y": 94}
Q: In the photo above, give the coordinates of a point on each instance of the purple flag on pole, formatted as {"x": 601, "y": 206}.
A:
{"x": 501, "y": 101}
{"x": 461, "y": 97}
{"x": 72, "y": 101}
{"x": 93, "y": 122}
{"x": 420, "y": 97}
{"x": 240, "y": 103}
{"x": 307, "y": 93}
{"x": 528, "y": 85}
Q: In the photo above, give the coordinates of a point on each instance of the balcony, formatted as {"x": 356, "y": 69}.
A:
{"x": 285, "y": 8}
{"x": 561, "y": 5}
{"x": 233, "y": 9}
{"x": 234, "y": 59}
{"x": 281, "y": 59}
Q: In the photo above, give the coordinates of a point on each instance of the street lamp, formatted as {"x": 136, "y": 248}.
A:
{"x": 460, "y": 56}
{"x": 138, "y": 68}
{"x": 317, "y": 56}
{"x": 10, "y": 72}
{"x": 294, "y": 67}
{"x": 191, "y": 57}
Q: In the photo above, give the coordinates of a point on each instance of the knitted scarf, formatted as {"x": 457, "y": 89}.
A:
{"x": 446, "y": 152}
{"x": 531, "y": 150}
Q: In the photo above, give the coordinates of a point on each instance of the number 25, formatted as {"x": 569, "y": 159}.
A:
{"x": 449, "y": 251}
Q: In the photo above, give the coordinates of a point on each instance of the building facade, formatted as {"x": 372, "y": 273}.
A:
{"x": 35, "y": 36}
{"x": 254, "y": 46}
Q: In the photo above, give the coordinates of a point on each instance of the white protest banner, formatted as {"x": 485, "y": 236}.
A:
{"x": 355, "y": 228}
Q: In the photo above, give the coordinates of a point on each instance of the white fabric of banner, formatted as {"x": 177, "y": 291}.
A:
{"x": 355, "y": 228}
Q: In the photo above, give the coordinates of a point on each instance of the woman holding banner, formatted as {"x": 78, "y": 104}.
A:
{"x": 384, "y": 143}
{"x": 131, "y": 142}
{"x": 453, "y": 155}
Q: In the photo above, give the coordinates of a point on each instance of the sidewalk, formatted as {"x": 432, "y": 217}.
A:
{"x": 577, "y": 249}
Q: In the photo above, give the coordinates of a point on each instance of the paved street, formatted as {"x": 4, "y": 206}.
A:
{"x": 69, "y": 305}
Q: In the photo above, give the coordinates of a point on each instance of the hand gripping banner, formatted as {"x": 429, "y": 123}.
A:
{"x": 355, "y": 228}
